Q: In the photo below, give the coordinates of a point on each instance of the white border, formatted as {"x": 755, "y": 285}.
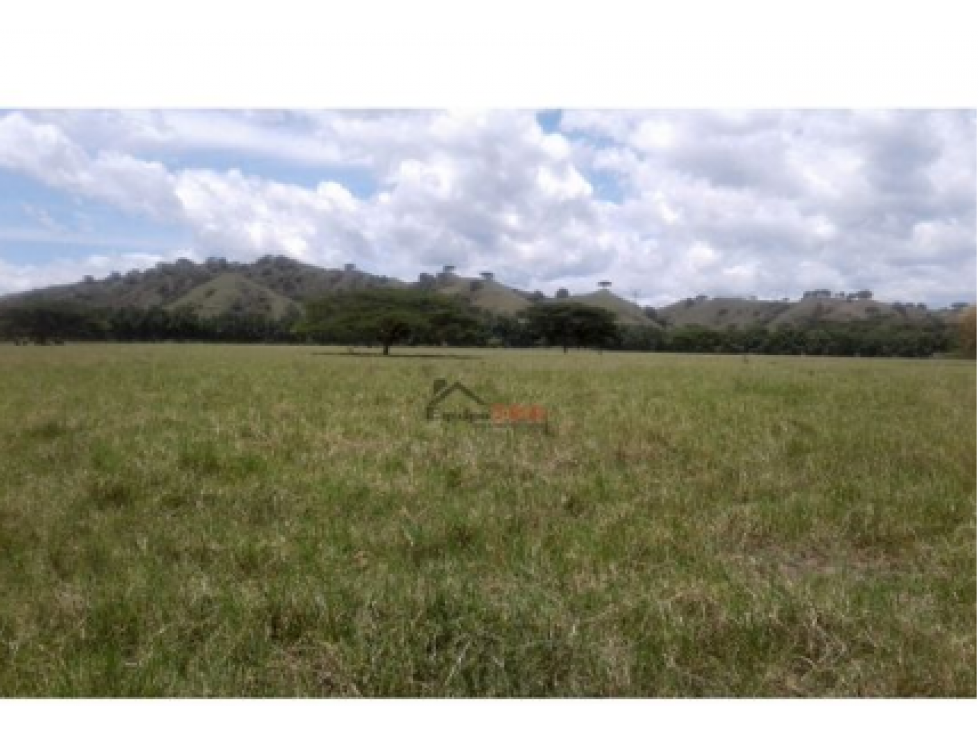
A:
{"x": 488, "y": 53}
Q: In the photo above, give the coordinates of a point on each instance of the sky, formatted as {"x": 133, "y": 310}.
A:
{"x": 665, "y": 204}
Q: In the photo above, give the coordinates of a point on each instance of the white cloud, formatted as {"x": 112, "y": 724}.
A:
{"x": 702, "y": 255}
{"x": 15, "y": 278}
{"x": 716, "y": 202}
{"x": 42, "y": 151}
{"x": 653, "y": 135}
{"x": 795, "y": 197}
{"x": 245, "y": 216}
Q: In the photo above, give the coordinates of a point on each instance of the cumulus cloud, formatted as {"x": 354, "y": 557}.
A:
{"x": 797, "y": 199}
{"x": 16, "y": 278}
{"x": 665, "y": 204}
{"x": 42, "y": 151}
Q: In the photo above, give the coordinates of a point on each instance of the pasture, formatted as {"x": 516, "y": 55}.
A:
{"x": 189, "y": 520}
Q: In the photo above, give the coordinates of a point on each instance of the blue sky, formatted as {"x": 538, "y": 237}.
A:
{"x": 664, "y": 203}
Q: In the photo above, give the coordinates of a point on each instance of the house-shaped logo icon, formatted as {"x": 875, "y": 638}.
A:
{"x": 441, "y": 391}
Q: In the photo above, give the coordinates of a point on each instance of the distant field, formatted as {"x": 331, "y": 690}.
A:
{"x": 283, "y": 521}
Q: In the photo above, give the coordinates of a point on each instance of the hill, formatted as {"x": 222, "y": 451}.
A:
{"x": 832, "y": 310}
{"x": 720, "y": 313}
{"x": 482, "y": 293}
{"x": 274, "y": 284}
{"x": 268, "y": 285}
{"x": 156, "y": 286}
{"x": 234, "y": 293}
{"x": 627, "y": 313}
{"x": 299, "y": 282}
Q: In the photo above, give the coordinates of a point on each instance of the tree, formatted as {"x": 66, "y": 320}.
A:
{"x": 640, "y": 338}
{"x": 967, "y": 332}
{"x": 388, "y": 317}
{"x": 46, "y": 321}
{"x": 562, "y": 293}
{"x": 817, "y": 341}
{"x": 571, "y": 324}
{"x": 818, "y": 293}
{"x": 506, "y": 330}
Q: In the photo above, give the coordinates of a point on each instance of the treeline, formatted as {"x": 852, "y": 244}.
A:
{"x": 53, "y": 322}
{"x": 857, "y": 339}
{"x": 416, "y": 319}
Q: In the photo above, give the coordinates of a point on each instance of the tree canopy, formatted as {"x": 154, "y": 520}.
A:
{"x": 967, "y": 332}
{"x": 47, "y": 321}
{"x": 388, "y": 317}
{"x": 371, "y": 316}
{"x": 571, "y": 324}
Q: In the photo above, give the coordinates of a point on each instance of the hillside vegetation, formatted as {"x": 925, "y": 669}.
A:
{"x": 482, "y": 293}
{"x": 271, "y": 285}
{"x": 232, "y": 293}
{"x": 267, "y": 301}
{"x": 722, "y": 313}
{"x": 626, "y": 312}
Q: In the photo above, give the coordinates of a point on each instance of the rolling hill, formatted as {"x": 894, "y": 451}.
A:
{"x": 719, "y": 313}
{"x": 235, "y": 293}
{"x": 626, "y": 312}
{"x": 833, "y": 310}
{"x": 298, "y": 281}
{"x": 273, "y": 285}
{"x": 482, "y": 293}
{"x": 259, "y": 286}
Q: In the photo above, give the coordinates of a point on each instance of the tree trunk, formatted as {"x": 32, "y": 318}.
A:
{"x": 387, "y": 348}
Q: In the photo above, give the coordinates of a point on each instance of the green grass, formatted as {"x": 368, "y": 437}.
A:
{"x": 223, "y": 293}
{"x": 626, "y": 312}
{"x": 265, "y": 521}
{"x": 490, "y": 295}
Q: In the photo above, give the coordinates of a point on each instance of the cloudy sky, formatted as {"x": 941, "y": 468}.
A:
{"x": 665, "y": 204}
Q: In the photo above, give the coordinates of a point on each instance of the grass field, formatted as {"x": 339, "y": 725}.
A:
{"x": 183, "y": 520}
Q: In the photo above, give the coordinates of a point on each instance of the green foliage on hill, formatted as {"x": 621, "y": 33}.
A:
{"x": 234, "y": 293}
{"x": 388, "y": 317}
{"x": 967, "y": 333}
{"x": 49, "y": 321}
{"x": 568, "y": 324}
{"x": 273, "y": 285}
{"x": 223, "y": 301}
{"x": 484, "y": 294}
{"x": 267, "y": 286}
{"x": 626, "y": 312}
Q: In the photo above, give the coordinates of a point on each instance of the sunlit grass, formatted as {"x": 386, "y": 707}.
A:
{"x": 202, "y": 520}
